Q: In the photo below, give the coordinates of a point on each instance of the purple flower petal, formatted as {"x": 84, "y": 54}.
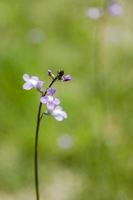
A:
{"x": 35, "y": 78}
{"x": 66, "y": 78}
{"x": 26, "y": 77}
{"x": 32, "y": 82}
{"x": 115, "y": 9}
{"x": 44, "y": 99}
{"x": 58, "y": 114}
{"x": 39, "y": 85}
{"x": 27, "y": 86}
{"x": 50, "y": 106}
{"x": 59, "y": 118}
{"x": 56, "y": 101}
{"x": 50, "y": 91}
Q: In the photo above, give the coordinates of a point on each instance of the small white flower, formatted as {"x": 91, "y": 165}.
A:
{"x": 32, "y": 82}
{"x": 58, "y": 113}
{"x": 35, "y": 36}
{"x": 65, "y": 141}
{"x": 94, "y": 13}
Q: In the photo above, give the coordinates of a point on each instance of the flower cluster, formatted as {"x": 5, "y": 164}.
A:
{"x": 113, "y": 8}
{"x": 52, "y": 103}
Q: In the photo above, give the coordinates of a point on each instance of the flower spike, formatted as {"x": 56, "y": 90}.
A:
{"x": 52, "y": 108}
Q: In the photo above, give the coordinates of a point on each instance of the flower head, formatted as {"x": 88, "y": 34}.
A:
{"x": 32, "y": 82}
{"x": 50, "y": 91}
{"x": 65, "y": 141}
{"x": 115, "y": 9}
{"x": 50, "y": 101}
{"x": 58, "y": 113}
{"x": 94, "y": 13}
{"x": 47, "y": 96}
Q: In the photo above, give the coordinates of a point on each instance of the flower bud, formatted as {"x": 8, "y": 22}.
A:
{"x": 51, "y": 74}
{"x": 66, "y": 78}
{"x": 60, "y": 74}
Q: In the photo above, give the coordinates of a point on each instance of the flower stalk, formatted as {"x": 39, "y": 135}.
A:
{"x": 36, "y": 153}
{"x": 53, "y": 109}
{"x": 39, "y": 117}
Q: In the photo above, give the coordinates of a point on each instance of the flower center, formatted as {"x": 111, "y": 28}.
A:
{"x": 33, "y": 82}
{"x": 50, "y": 99}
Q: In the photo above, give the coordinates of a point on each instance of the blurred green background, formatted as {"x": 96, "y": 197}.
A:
{"x": 89, "y": 155}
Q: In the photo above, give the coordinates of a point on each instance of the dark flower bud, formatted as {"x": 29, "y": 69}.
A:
{"x": 60, "y": 74}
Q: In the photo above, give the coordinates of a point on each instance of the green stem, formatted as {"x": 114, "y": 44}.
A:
{"x": 36, "y": 152}
{"x": 36, "y": 143}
